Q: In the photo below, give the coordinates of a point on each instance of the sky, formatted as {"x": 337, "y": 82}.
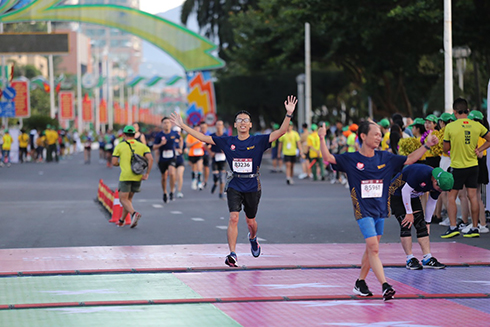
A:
{"x": 155, "y": 7}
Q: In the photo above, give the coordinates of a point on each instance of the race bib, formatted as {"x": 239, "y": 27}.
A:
{"x": 242, "y": 165}
{"x": 167, "y": 154}
{"x": 219, "y": 157}
{"x": 372, "y": 188}
{"x": 198, "y": 152}
{"x": 288, "y": 146}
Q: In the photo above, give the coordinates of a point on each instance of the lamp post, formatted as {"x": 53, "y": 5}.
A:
{"x": 460, "y": 54}
{"x": 300, "y": 80}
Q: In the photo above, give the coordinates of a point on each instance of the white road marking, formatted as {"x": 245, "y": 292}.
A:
{"x": 222, "y": 227}
{"x": 197, "y": 219}
{"x": 157, "y": 206}
{"x": 176, "y": 212}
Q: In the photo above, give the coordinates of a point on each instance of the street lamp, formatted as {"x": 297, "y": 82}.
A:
{"x": 300, "y": 80}
{"x": 460, "y": 54}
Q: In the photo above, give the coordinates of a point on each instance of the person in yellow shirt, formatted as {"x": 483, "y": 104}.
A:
{"x": 7, "y": 144}
{"x": 314, "y": 153}
{"x": 289, "y": 144}
{"x": 129, "y": 182}
{"x": 40, "y": 145}
{"x": 23, "y": 143}
{"x": 384, "y": 125}
{"x": 51, "y": 141}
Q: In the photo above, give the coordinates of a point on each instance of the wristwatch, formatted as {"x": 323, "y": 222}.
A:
{"x": 289, "y": 116}
{"x": 426, "y": 146}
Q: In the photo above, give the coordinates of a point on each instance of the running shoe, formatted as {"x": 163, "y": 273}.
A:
{"x": 214, "y": 188}
{"x": 221, "y": 196}
{"x": 194, "y": 184}
{"x": 287, "y": 181}
{"x": 388, "y": 292}
{"x": 474, "y": 232}
{"x": 436, "y": 220}
{"x": 180, "y": 195}
{"x": 165, "y": 198}
{"x": 462, "y": 225}
{"x": 231, "y": 259}
{"x": 254, "y": 246}
{"x": 200, "y": 186}
{"x": 171, "y": 196}
{"x": 134, "y": 219}
{"x": 450, "y": 233}
{"x": 483, "y": 229}
{"x": 361, "y": 288}
{"x": 445, "y": 222}
{"x": 466, "y": 229}
{"x": 433, "y": 263}
{"x": 120, "y": 222}
{"x": 413, "y": 264}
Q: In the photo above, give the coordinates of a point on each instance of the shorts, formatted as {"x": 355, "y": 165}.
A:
{"x": 179, "y": 161}
{"x": 433, "y": 161}
{"x": 274, "y": 152}
{"x": 371, "y": 226}
{"x": 219, "y": 165}
{"x": 249, "y": 201}
{"x": 482, "y": 170}
{"x": 194, "y": 159}
{"x": 205, "y": 160}
{"x": 163, "y": 165}
{"x": 291, "y": 159}
{"x": 129, "y": 186}
{"x": 464, "y": 177}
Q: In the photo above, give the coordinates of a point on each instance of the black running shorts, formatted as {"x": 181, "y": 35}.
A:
{"x": 464, "y": 177}
{"x": 249, "y": 201}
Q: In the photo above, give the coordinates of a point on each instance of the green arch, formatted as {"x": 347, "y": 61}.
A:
{"x": 189, "y": 49}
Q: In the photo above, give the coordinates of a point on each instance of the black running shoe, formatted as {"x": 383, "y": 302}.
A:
{"x": 433, "y": 264}
{"x": 231, "y": 260}
{"x": 388, "y": 292}
{"x": 171, "y": 196}
{"x": 413, "y": 264}
{"x": 254, "y": 246}
{"x": 165, "y": 198}
{"x": 361, "y": 288}
{"x": 450, "y": 233}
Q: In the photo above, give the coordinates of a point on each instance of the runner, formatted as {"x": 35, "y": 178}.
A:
{"x": 219, "y": 161}
{"x": 179, "y": 162}
{"x": 165, "y": 145}
{"x": 407, "y": 186}
{"x": 369, "y": 173}
{"x": 129, "y": 182}
{"x": 196, "y": 153}
{"x": 244, "y": 155}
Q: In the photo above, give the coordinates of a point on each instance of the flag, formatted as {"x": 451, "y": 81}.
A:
{"x": 172, "y": 80}
{"x": 101, "y": 81}
{"x": 40, "y": 82}
{"x": 155, "y": 79}
{"x": 57, "y": 83}
{"x": 135, "y": 81}
{"x": 8, "y": 71}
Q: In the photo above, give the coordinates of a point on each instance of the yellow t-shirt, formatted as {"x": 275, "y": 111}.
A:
{"x": 41, "y": 141}
{"x": 313, "y": 142}
{"x": 123, "y": 152}
{"x": 351, "y": 142}
{"x": 385, "y": 142}
{"x": 7, "y": 142}
{"x": 481, "y": 141}
{"x": 463, "y": 135}
{"x": 51, "y": 137}
{"x": 23, "y": 140}
{"x": 289, "y": 143}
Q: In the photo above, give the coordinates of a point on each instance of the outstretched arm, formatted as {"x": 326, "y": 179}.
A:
{"x": 290, "y": 105}
{"x": 322, "y": 132}
{"x": 177, "y": 121}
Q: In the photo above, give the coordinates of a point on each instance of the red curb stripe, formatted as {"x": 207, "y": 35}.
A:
{"x": 110, "y": 303}
{"x": 45, "y": 305}
{"x": 183, "y": 301}
{"x": 320, "y": 297}
{"x": 454, "y": 295}
{"x": 105, "y": 271}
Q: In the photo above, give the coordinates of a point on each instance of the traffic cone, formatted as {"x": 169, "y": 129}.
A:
{"x": 116, "y": 208}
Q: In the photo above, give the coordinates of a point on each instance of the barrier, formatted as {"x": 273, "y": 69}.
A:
{"x": 110, "y": 201}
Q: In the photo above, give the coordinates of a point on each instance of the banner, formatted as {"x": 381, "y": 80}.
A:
{"x": 201, "y": 98}
{"x": 87, "y": 112}
{"x": 65, "y": 103}
{"x": 22, "y": 99}
{"x": 103, "y": 112}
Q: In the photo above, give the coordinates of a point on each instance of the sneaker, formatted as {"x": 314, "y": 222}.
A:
{"x": 171, "y": 196}
{"x": 361, "y": 288}
{"x": 436, "y": 220}
{"x": 120, "y": 222}
{"x": 433, "y": 264}
{"x": 180, "y": 195}
{"x": 450, "y": 233}
{"x": 462, "y": 226}
{"x": 473, "y": 232}
{"x": 445, "y": 222}
{"x": 413, "y": 264}
{"x": 134, "y": 219}
{"x": 213, "y": 188}
{"x": 483, "y": 229}
{"x": 302, "y": 176}
{"x": 231, "y": 259}
{"x": 221, "y": 196}
{"x": 287, "y": 181}
{"x": 194, "y": 184}
{"x": 200, "y": 186}
{"x": 388, "y": 292}
{"x": 466, "y": 228}
{"x": 291, "y": 181}
{"x": 254, "y": 246}
{"x": 165, "y": 199}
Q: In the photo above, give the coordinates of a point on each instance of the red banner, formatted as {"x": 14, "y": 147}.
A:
{"x": 87, "y": 112}
{"x": 22, "y": 99}
{"x": 65, "y": 103}
{"x": 117, "y": 113}
{"x": 103, "y": 112}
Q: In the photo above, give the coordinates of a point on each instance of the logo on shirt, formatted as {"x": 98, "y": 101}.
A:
{"x": 466, "y": 122}
{"x": 423, "y": 184}
{"x": 360, "y": 166}
{"x": 382, "y": 166}
{"x": 251, "y": 147}
{"x": 233, "y": 147}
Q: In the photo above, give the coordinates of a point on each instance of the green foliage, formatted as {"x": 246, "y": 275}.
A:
{"x": 40, "y": 104}
{"x": 39, "y": 122}
{"x": 28, "y": 71}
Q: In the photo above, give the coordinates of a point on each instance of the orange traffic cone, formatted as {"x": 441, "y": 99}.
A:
{"x": 116, "y": 208}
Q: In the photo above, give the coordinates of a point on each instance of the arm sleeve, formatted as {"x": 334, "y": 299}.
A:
{"x": 407, "y": 200}
{"x": 429, "y": 209}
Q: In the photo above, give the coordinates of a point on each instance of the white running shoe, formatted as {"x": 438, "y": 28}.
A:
{"x": 194, "y": 184}
{"x": 483, "y": 229}
{"x": 445, "y": 222}
{"x": 180, "y": 195}
{"x": 302, "y": 176}
{"x": 467, "y": 228}
{"x": 200, "y": 186}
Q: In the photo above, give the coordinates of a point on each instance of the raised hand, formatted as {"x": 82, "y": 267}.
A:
{"x": 176, "y": 119}
{"x": 431, "y": 140}
{"x": 290, "y": 104}
{"x": 322, "y": 131}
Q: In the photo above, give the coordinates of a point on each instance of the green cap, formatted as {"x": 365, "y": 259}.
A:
{"x": 446, "y": 116}
{"x": 444, "y": 179}
{"x": 475, "y": 114}
{"x": 385, "y": 123}
{"x": 418, "y": 121}
{"x": 128, "y": 129}
{"x": 314, "y": 127}
{"x": 48, "y": 126}
{"x": 276, "y": 126}
{"x": 432, "y": 118}
{"x": 345, "y": 129}
{"x": 6, "y": 131}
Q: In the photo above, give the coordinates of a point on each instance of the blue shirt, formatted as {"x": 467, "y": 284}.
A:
{"x": 418, "y": 177}
{"x": 244, "y": 157}
{"x": 369, "y": 180}
{"x": 215, "y": 148}
{"x": 167, "y": 151}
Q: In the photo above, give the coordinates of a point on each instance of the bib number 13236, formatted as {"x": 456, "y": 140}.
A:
{"x": 242, "y": 165}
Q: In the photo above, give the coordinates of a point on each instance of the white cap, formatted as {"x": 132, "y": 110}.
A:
{"x": 176, "y": 129}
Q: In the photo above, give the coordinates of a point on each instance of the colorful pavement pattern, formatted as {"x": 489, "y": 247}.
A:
{"x": 189, "y": 285}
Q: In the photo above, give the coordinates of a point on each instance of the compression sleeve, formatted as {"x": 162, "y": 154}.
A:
{"x": 407, "y": 200}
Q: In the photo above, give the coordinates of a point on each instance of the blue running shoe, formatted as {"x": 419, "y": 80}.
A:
{"x": 255, "y": 246}
{"x": 231, "y": 259}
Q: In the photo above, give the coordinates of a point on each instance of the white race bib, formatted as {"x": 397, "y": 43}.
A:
{"x": 219, "y": 157}
{"x": 198, "y": 152}
{"x": 288, "y": 146}
{"x": 168, "y": 154}
{"x": 372, "y": 188}
{"x": 242, "y": 165}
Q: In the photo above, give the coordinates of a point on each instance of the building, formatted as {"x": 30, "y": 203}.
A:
{"x": 67, "y": 64}
{"x": 38, "y": 61}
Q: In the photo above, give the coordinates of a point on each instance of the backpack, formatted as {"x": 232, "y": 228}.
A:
{"x": 138, "y": 163}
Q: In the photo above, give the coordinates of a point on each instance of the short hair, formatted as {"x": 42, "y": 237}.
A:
{"x": 165, "y": 118}
{"x": 305, "y": 125}
{"x": 202, "y": 123}
{"x": 460, "y": 105}
{"x": 245, "y": 112}
{"x": 364, "y": 128}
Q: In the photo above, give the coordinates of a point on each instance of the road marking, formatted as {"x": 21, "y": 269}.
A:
{"x": 176, "y": 212}
{"x": 157, "y": 206}
{"x": 222, "y": 227}
{"x": 261, "y": 239}
{"x": 197, "y": 219}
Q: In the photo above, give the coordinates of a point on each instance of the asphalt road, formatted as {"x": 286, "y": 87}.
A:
{"x": 52, "y": 205}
